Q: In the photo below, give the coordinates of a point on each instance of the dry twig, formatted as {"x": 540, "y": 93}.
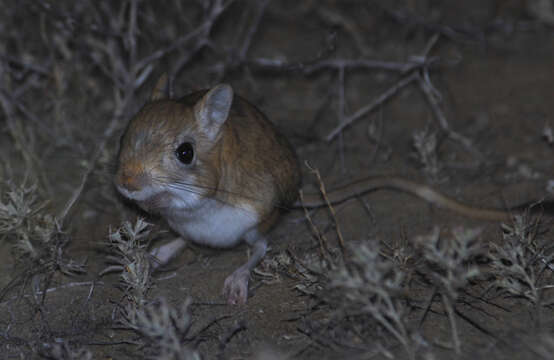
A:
{"x": 329, "y": 206}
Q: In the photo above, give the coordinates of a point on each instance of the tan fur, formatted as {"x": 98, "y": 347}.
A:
{"x": 250, "y": 163}
{"x": 257, "y": 164}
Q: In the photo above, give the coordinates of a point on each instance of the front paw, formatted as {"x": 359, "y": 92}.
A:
{"x": 163, "y": 254}
{"x": 235, "y": 288}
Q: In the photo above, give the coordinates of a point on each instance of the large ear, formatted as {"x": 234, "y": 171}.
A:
{"x": 213, "y": 109}
{"x": 161, "y": 90}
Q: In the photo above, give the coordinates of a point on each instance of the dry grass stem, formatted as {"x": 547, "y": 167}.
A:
{"x": 323, "y": 247}
{"x": 329, "y": 206}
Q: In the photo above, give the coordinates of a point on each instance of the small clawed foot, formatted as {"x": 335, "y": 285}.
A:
{"x": 235, "y": 288}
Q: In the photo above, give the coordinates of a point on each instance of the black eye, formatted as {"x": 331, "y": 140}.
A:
{"x": 185, "y": 153}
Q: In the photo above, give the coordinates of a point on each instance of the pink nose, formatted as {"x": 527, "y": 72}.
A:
{"x": 131, "y": 177}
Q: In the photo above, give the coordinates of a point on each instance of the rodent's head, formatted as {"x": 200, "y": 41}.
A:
{"x": 166, "y": 158}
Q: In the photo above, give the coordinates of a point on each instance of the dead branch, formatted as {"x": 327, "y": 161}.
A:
{"x": 386, "y": 95}
{"x": 416, "y": 63}
{"x": 433, "y": 97}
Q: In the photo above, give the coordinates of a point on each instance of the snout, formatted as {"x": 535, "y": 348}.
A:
{"x": 131, "y": 178}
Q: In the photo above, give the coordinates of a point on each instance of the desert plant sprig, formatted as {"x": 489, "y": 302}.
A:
{"x": 520, "y": 261}
{"x": 425, "y": 145}
{"x": 449, "y": 262}
{"x": 35, "y": 234}
{"x": 129, "y": 246}
{"x": 22, "y": 220}
{"x": 372, "y": 285}
{"x": 164, "y": 327}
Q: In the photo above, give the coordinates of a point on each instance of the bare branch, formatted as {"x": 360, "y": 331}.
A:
{"x": 387, "y": 94}
{"x": 432, "y": 96}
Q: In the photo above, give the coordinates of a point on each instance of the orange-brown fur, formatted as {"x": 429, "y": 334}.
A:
{"x": 235, "y": 170}
{"x": 242, "y": 156}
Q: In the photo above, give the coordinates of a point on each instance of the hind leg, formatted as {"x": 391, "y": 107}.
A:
{"x": 235, "y": 288}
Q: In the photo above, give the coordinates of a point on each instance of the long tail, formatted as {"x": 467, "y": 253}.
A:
{"x": 397, "y": 183}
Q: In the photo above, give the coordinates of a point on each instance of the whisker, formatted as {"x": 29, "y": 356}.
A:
{"x": 197, "y": 189}
{"x": 185, "y": 186}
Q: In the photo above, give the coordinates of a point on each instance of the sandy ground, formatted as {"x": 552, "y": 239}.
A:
{"x": 496, "y": 92}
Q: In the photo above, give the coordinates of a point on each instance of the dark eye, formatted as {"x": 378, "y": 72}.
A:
{"x": 185, "y": 153}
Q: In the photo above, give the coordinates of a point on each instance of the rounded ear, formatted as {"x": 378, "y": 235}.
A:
{"x": 161, "y": 90}
{"x": 213, "y": 109}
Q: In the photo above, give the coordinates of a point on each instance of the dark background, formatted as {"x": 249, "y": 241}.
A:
{"x": 479, "y": 104}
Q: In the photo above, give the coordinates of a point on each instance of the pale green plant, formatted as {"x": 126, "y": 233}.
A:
{"x": 520, "y": 261}
{"x": 34, "y": 233}
{"x": 451, "y": 259}
{"x": 129, "y": 246}
{"x": 164, "y": 327}
{"x": 426, "y": 153}
{"x": 23, "y": 221}
{"x": 371, "y": 285}
{"x": 450, "y": 263}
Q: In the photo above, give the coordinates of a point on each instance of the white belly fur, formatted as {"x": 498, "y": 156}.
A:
{"x": 214, "y": 223}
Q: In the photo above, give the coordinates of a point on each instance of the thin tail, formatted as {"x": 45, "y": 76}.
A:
{"x": 397, "y": 183}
